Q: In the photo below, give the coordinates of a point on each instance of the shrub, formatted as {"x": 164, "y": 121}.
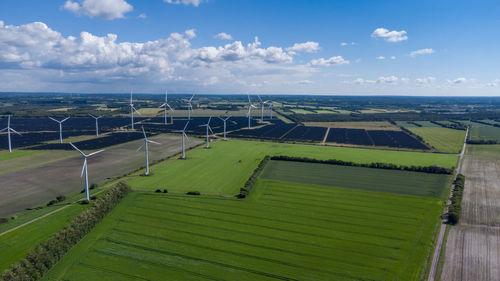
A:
{"x": 60, "y": 198}
{"x": 456, "y": 200}
{"x": 52, "y": 202}
{"x": 93, "y": 186}
{"x": 158, "y": 191}
{"x": 193, "y": 193}
{"x": 244, "y": 191}
{"x": 93, "y": 197}
{"x": 84, "y": 202}
{"x": 165, "y": 191}
{"x": 3, "y": 220}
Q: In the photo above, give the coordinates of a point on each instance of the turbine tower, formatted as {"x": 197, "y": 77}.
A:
{"x": 249, "y": 113}
{"x": 96, "y": 123}
{"x": 60, "y": 127}
{"x": 183, "y": 131}
{"x": 262, "y": 104}
{"x": 189, "y": 105}
{"x": 165, "y": 105}
{"x": 9, "y": 129}
{"x": 271, "y": 109}
{"x": 224, "y": 120}
{"x": 132, "y": 109}
{"x": 208, "y": 128}
{"x": 145, "y": 145}
{"x": 84, "y": 168}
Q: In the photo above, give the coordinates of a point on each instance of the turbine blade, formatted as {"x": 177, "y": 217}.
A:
{"x": 136, "y": 110}
{"x": 83, "y": 167}
{"x": 92, "y": 116}
{"x": 65, "y": 119}
{"x": 211, "y": 130}
{"x": 140, "y": 147}
{"x": 169, "y": 107}
{"x": 15, "y": 131}
{"x": 191, "y": 98}
{"x": 143, "y": 132}
{"x": 4, "y": 129}
{"x": 209, "y": 120}
{"x": 186, "y": 126}
{"x": 150, "y": 141}
{"x": 53, "y": 119}
{"x": 186, "y": 136}
{"x": 94, "y": 153}
{"x": 163, "y": 105}
{"x": 83, "y": 154}
{"x": 259, "y": 98}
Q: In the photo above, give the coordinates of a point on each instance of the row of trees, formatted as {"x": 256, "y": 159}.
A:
{"x": 41, "y": 259}
{"x": 424, "y": 169}
{"x": 453, "y": 125}
{"x": 456, "y": 200}
{"x": 245, "y": 191}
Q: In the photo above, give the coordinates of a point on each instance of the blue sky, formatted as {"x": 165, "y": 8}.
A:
{"x": 390, "y": 47}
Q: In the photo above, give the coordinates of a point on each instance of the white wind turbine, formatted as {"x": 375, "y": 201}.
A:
{"x": 9, "y": 129}
{"x": 96, "y": 123}
{"x": 249, "y": 113}
{"x": 183, "y": 131}
{"x": 132, "y": 109}
{"x": 60, "y": 127}
{"x": 224, "y": 120}
{"x": 189, "y": 105}
{"x": 145, "y": 145}
{"x": 165, "y": 105}
{"x": 262, "y": 104}
{"x": 84, "y": 168}
{"x": 208, "y": 128}
{"x": 271, "y": 109}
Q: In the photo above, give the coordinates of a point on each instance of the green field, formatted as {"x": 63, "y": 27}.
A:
{"x": 442, "y": 139}
{"x": 484, "y": 132}
{"x": 224, "y": 168}
{"x": 5, "y": 155}
{"x": 402, "y": 182}
{"x": 284, "y": 230}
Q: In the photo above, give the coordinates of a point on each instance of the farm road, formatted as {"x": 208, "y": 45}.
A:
{"x": 32, "y": 186}
{"x": 473, "y": 246}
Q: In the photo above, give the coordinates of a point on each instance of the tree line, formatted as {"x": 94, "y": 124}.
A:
{"x": 245, "y": 191}
{"x": 456, "y": 200}
{"x": 41, "y": 259}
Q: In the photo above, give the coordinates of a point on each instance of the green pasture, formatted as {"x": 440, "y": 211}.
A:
{"x": 224, "y": 168}
{"x": 403, "y": 182}
{"x": 442, "y": 139}
{"x": 6, "y": 155}
{"x": 285, "y": 230}
{"x": 484, "y": 132}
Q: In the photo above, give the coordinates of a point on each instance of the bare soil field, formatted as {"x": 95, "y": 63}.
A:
{"x": 31, "y": 186}
{"x": 473, "y": 247}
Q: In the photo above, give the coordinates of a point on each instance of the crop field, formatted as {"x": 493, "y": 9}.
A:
{"x": 403, "y": 182}
{"x": 388, "y": 138}
{"x": 5, "y": 155}
{"x": 376, "y": 125}
{"x": 442, "y": 139}
{"x": 32, "y": 185}
{"x": 284, "y": 230}
{"x": 224, "y": 168}
{"x": 473, "y": 246}
{"x": 484, "y": 132}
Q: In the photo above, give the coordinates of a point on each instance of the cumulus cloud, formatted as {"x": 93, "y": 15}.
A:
{"x": 387, "y": 80}
{"x": 459, "y": 80}
{"x": 308, "y": 47}
{"x": 393, "y": 57}
{"x": 380, "y": 58}
{"x": 142, "y": 16}
{"x": 389, "y": 36}
{"x": 338, "y": 60}
{"x": 195, "y": 3}
{"x": 426, "y": 80}
{"x": 426, "y": 51}
{"x": 343, "y": 44}
{"x": 224, "y": 36}
{"x": 361, "y": 81}
{"x": 305, "y": 82}
{"x": 104, "y": 9}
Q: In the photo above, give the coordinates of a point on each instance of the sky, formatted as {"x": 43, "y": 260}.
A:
{"x": 420, "y": 48}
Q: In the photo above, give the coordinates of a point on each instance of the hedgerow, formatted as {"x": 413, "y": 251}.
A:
{"x": 244, "y": 191}
{"x": 456, "y": 200}
{"x": 41, "y": 259}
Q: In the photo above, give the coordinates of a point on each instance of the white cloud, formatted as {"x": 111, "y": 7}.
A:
{"x": 389, "y": 36}
{"x": 493, "y": 83}
{"x": 459, "y": 80}
{"x": 224, "y": 36}
{"x": 338, "y": 60}
{"x": 308, "y": 47}
{"x": 426, "y": 51}
{"x": 361, "y": 81}
{"x": 380, "y": 58}
{"x": 104, "y": 9}
{"x": 343, "y": 44}
{"x": 387, "y": 80}
{"x": 195, "y": 3}
{"x": 142, "y": 16}
{"x": 305, "y": 82}
{"x": 393, "y": 57}
{"x": 426, "y": 80}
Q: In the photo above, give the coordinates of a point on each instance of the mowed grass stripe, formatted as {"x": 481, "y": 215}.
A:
{"x": 260, "y": 215}
{"x": 103, "y": 272}
{"x": 394, "y": 181}
{"x": 194, "y": 236}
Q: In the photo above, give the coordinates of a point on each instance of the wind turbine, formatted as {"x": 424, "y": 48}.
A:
{"x": 84, "y": 168}
{"x": 96, "y": 124}
{"x": 132, "y": 109}
{"x": 165, "y": 105}
{"x": 190, "y": 106}
{"x": 183, "y": 131}
{"x": 60, "y": 126}
{"x": 271, "y": 109}
{"x": 249, "y": 113}
{"x": 9, "y": 129}
{"x": 145, "y": 144}
{"x": 208, "y": 128}
{"x": 262, "y": 103}
{"x": 224, "y": 120}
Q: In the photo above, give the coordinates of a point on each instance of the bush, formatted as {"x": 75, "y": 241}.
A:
{"x": 84, "y": 202}
{"x": 60, "y": 198}
{"x": 93, "y": 197}
{"x": 456, "y": 200}
{"x": 3, "y": 220}
{"x": 165, "y": 191}
{"x": 193, "y": 193}
{"x": 52, "y": 202}
{"x": 244, "y": 191}
{"x": 158, "y": 191}
{"x": 41, "y": 259}
{"x": 93, "y": 186}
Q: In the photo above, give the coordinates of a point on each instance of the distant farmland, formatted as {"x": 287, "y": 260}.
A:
{"x": 442, "y": 139}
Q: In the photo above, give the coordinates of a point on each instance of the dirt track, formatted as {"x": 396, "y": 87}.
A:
{"x": 29, "y": 187}
{"x": 473, "y": 247}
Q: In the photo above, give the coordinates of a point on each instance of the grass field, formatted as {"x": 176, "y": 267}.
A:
{"x": 442, "y": 139}
{"x": 284, "y": 230}
{"x": 5, "y": 155}
{"x": 375, "y": 125}
{"x": 224, "y": 168}
{"x": 484, "y": 132}
{"x": 403, "y": 182}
